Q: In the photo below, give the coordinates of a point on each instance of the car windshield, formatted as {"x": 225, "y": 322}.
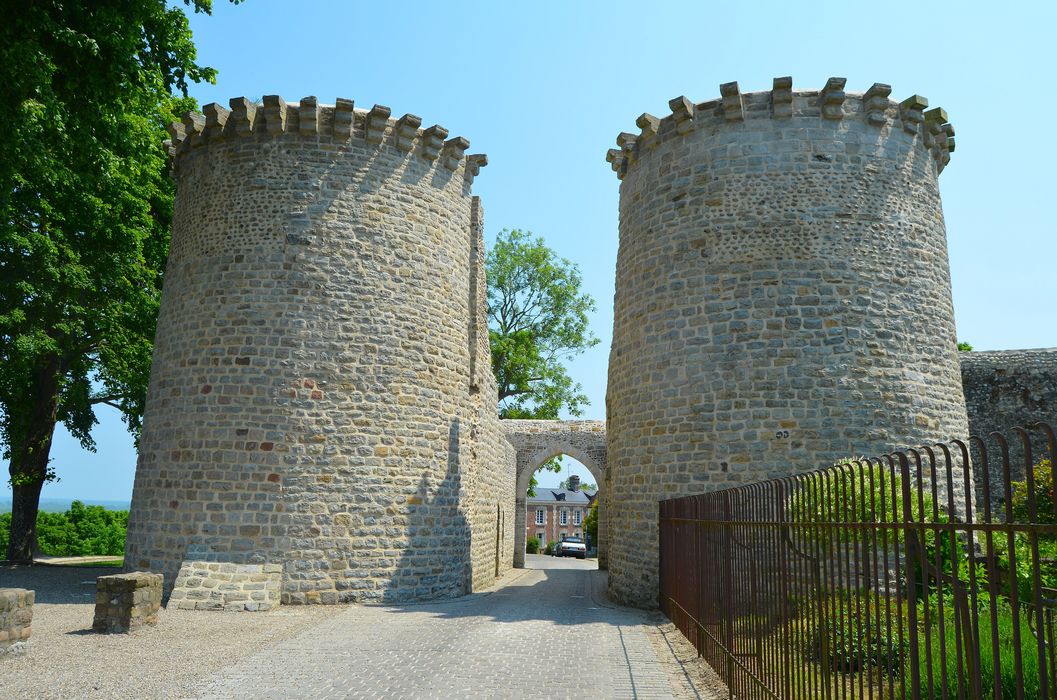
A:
{"x": 575, "y": 540}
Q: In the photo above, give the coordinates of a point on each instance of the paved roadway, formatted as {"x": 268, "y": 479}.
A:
{"x": 546, "y": 631}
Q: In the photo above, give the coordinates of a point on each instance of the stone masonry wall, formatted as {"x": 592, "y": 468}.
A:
{"x": 782, "y": 298}
{"x": 536, "y": 441}
{"x": 312, "y": 401}
{"x": 16, "y": 619}
{"x": 1004, "y": 389}
{"x": 211, "y": 585}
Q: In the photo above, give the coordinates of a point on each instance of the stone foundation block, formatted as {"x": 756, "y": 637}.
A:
{"x": 210, "y": 585}
{"x": 126, "y": 602}
{"x": 16, "y": 618}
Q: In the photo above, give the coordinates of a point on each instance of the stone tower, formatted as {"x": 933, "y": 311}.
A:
{"x": 782, "y": 299}
{"x": 321, "y": 396}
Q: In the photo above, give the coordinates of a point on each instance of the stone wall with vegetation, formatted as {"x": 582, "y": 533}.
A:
{"x": 1006, "y": 389}
{"x": 782, "y": 298}
{"x": 318, "y": 394}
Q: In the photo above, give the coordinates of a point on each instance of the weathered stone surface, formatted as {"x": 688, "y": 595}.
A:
{"x": 782, "y": 301}
{"x": 536, "y": 441}
{"x": 16, "y": 620}
{"x": 212, "y": 585}
{"x": 126, "y": 602}
{"x": 321, "y": 395}
{"x": 1006, "y": 389}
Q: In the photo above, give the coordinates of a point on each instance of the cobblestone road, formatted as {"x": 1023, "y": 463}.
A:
{"x": 544, "y": 632}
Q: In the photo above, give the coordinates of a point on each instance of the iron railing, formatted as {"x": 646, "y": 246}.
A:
{"x": 903, "y": 576}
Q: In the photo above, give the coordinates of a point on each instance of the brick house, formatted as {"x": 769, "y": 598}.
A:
{"x": 552, "y": 513}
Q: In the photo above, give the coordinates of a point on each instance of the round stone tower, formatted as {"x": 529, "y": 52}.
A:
{"x": 783, "y": 298}
{"x": 321, "y": 395}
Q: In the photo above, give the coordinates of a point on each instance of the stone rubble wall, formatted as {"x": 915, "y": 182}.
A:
{"x": 312, "y": 400}
{"x": 16, "y": 619}
{"x": 126, "y": 602}
{"x": 782, "y": 298}
{"x": 1006, "y": 389}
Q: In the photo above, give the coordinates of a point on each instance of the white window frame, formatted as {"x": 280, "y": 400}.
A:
{"x": 563, "y": 517}
{"x": 542, "y": 537}
{"x": 541, "y": 516}
{"x": 578, "y": 517}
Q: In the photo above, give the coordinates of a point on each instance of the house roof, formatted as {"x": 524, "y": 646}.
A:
{"x": 545, "y": 495}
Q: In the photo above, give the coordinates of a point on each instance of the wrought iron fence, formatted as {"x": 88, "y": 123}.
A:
{"x": 902, "y": 576}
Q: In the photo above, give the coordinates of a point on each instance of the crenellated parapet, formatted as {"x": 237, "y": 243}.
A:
{"x": 273, "y": 116}
{"x": 735, "y": 109}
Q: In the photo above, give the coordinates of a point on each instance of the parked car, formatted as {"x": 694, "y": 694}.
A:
{"x": 571, "y": 547}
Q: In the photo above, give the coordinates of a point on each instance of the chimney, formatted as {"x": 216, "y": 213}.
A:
{"x": 574, "y": 483}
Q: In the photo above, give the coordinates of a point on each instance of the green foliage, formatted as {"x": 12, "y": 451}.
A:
{"x": 550, "y": 547}
{"x": 855, "y": 634}
{"x": 85, "y": 206}
{"x": 81, "y": 531}
{"x": 1041, "y": 494}
{"x": 591, "y": 523}
{"x": 532, "y": 546}
{"x": 856, "y": 491}
{"x": 964, "y": 347}
{"x": 537, "y": 320}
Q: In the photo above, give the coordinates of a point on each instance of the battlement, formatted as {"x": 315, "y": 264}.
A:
{"x": 738, "y": 110}
{"x": 273, "y": 116}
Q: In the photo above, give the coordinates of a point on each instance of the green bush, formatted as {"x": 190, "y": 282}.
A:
{"x": 550, "y": 547}
{"x": 81, "y": 531}
{"x": 532, "y": 546}
{"x": 859, "y": 633}
{"x": 591, "y": 524}
{"x": 1042, "y": 474}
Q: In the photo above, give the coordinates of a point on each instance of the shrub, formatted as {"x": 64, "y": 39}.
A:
{"x": 856, "y": 491}
{"x": 79, "y": 532}
{"x": 532, "y": 546}
{"x": 550, "y": 547}
{"x": 1042, "y": 475}
{"x": 860, "y": 633}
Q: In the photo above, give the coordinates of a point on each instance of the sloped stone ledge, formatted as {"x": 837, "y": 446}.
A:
{"x": 210, "y": 585}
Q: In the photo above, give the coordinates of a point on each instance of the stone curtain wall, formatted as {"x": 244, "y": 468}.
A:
{"x": 1007, "y": 388}
{"x": 493, "y": 476}
{"x": 782, "y": 298}
{"x": 312, "y": 401}
{"x": 536, "y": 441}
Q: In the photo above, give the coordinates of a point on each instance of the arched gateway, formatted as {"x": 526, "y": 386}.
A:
{"x": 536, "y": 441}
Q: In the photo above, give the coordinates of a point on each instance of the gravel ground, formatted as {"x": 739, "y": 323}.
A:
{"x": 66, "y": 660}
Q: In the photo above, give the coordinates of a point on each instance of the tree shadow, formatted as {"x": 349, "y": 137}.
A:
{"x": 564, "y": 597}
{"x": 54, "y": 584}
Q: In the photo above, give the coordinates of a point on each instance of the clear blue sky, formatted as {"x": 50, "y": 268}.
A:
{"x": 544, "y": 88}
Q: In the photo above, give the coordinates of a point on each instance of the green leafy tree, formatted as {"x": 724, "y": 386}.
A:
{"x": 85, "y": 204}
{"x": 591, "y": 524}
{"x": 537, "y": 320}
{"x": 964, "y": 347}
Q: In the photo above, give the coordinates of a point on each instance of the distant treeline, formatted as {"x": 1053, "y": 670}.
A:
{"x": 79, "y": 532}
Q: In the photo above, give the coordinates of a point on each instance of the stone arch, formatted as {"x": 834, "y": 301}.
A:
{"x": 536, "y": 441}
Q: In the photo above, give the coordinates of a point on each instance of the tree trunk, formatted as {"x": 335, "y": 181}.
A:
{"x": 25, "y": 501}
{"x": 29, "y": 460}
